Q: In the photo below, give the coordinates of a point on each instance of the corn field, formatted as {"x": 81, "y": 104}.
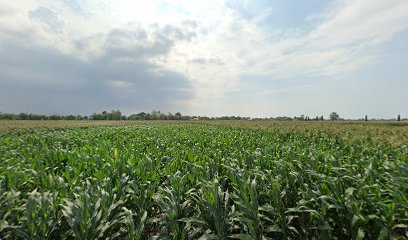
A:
{"x": 199, "y": 181}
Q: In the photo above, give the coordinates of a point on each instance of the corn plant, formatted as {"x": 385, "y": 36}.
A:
{"x": 134, "y": 230}
{"x": 249, "y": 212}
{"x": 175, "y": 205}
{"x": 213, "y": 180}
{"x": 213, "y": 209}
{"x": 93, "y": 213}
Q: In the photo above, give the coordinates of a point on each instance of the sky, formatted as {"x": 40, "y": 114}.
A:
{"x": 260, "y": 58}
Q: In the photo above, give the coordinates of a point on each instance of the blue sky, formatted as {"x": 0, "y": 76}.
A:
{"x": 248, "y": 58}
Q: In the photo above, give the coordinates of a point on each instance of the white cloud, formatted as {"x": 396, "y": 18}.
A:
{"x": 48, "y": 19}
{"x": 346, "y": 39}
{"x": 213, "y": 44}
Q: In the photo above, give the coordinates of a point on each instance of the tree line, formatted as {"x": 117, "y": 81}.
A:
{"x": 157, "y": 115}
{"x": 114, "y": 115}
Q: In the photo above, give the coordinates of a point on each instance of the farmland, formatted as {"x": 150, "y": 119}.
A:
{"x": 209, "y": 180}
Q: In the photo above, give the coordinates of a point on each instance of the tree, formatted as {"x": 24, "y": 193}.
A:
{"x": 399, "y": 118}
{"x": 334, "y": 116}
{"x": 70, "y": 117}
{"x": 115, "y": 115}
{"x": 23, "y": 116}
{"x": 96, "y": 116}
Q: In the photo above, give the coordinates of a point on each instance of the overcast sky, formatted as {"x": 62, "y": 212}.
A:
{"x": 263, "y": 58}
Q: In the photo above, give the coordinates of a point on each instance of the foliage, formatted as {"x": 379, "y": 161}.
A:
{"x": 334, "y": 116}
{"x": 208, "y": 181}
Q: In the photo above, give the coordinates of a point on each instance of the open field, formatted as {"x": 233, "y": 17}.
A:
{"x": 209, "y": 180}
{"x": 394, "y": 133}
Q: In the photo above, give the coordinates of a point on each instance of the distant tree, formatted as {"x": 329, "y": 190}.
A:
{"x": 399, "y": 118}
{"x": 132, "y": 117}
{"x": 115, "y": 115}
{"x": 162, "y": 116}
{"x": 366, "y": 118}
{"x": 321, "y": 118}
{"x": 97, "y": 116}
{"x": 103, "y": 116}
{"x": 37, "y": 117}
{"x": 334, "y": 116}
{"x": 147, "y": 116}
{"x": 55, "y": 117}
{"x": 8, "y": 116}
{"x": 284, "y": 118}
{"x": 23, "y": 116}
{"x": 70, "y": 117}
{"x": 139, "y": 116}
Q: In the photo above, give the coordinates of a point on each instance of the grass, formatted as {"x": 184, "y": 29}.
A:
{"x": 208, "y": 180}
